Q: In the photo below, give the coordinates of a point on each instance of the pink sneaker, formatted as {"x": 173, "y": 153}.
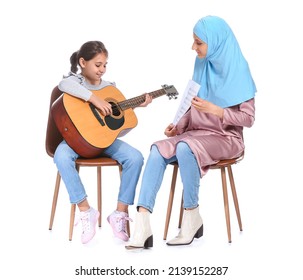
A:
{"x": 89, "y": 220}
{"x": 117, "y": 220}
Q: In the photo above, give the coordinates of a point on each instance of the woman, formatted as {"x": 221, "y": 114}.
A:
{"x": 211, "y": 130}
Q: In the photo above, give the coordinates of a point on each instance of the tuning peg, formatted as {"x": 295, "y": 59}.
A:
{"x": 172, "y": 96}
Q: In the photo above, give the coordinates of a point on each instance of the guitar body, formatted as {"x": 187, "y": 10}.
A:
{"x": 85, "y": 129}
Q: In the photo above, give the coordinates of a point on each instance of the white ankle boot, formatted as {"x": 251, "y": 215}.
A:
{"x": 142, "y": 236}
{"x": 192, "y": 227}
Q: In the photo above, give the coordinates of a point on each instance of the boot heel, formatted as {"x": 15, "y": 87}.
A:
{"x": 148, "y": 242}
{"x": 199, "y": 232}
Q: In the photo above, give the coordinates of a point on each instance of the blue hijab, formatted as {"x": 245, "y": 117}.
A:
{"x": 224, "y": 73}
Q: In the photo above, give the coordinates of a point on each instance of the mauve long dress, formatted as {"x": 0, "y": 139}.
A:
{"x": 210, "y": 138}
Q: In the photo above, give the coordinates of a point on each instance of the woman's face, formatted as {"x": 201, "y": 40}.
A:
{"x": 200, "y": 47}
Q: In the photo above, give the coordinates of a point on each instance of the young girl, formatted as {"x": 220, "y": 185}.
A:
{"x": 92, "y": 59}
{"x": 211, "y": 130}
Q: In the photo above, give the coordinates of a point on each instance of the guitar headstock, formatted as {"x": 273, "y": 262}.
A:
{"x": 170, "y": 91}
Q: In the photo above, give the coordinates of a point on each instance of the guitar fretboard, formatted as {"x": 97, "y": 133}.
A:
{"x": 136, "y": 101}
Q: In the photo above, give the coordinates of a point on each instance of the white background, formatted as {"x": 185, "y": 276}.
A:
{"x": 149, "y": 44}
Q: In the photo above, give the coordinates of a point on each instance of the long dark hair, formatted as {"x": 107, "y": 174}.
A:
{"x": 88, "y": 51}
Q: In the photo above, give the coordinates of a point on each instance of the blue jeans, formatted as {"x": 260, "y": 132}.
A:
{"x": 154, "y": 171}
{"x": 130, "y": 159}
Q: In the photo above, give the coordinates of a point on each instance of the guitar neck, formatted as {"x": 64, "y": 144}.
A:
{"x": 136, "y": 101}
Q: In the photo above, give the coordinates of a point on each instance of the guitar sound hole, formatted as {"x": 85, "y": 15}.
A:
{"x": 115, "y": 108}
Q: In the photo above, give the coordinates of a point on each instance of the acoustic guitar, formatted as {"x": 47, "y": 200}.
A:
{"x": 86, "y": 130}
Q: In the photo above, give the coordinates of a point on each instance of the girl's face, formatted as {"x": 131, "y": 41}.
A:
{"x": 200, "y": 47}
{"x": 94, "y": 69}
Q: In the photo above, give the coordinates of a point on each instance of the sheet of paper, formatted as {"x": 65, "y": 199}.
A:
{"x": 191, "y": 90}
